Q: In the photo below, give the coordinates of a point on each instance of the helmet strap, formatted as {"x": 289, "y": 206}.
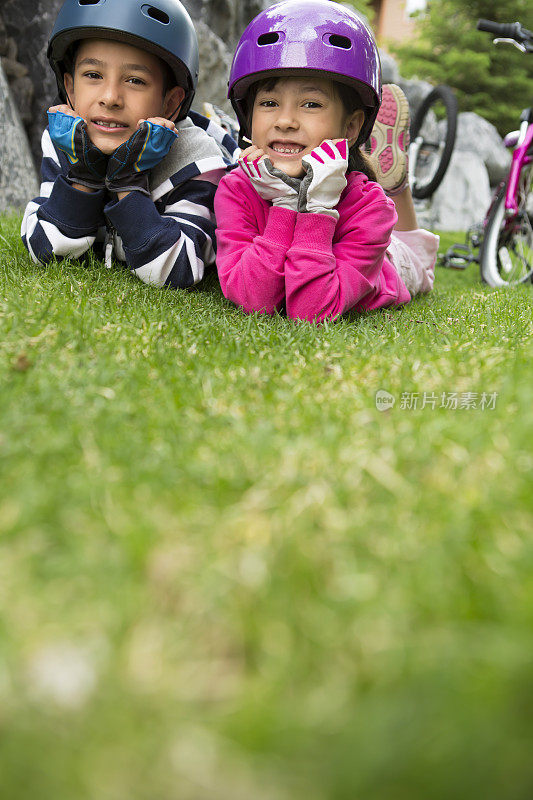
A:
{"x": 176, "y": 110}
{"x": 243, "y": 141}
{"x": 63, "y": 90}
{"x": 179, "y": 102}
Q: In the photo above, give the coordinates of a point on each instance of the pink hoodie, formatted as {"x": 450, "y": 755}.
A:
{"x": 319, "y": 268}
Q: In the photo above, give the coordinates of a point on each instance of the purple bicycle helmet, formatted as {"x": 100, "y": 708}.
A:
{"x": 308, "y": 35}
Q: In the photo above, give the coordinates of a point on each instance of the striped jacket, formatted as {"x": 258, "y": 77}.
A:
{"x": 166, "y": 239}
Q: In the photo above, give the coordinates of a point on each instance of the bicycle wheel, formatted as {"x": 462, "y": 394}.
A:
{"x": 432, "y": 139}
{"x": 507, "y": 249}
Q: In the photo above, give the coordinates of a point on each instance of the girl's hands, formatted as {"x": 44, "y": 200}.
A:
{"x": 251, "y": 153}
{"x": 318, "y": 192}
{"x": 269, "y": 182}
{"x": 325, "y": 178}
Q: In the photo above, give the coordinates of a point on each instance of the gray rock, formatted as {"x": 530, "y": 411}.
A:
{"x": 18, "y": 181}
{"x": 215, "y": 62}
{"x": 13, "y": 69}
{"x": 9, "y": 49}
{"x": 226, "y": 18}
{"x": 479, "y": 161}
{"x": 30, "y": 22}
{"x": 463, "y": 196}
{"x": 3, "y": 38}
{"x": 415, "y": 91}
{"x": 17, "y": 75}
{"x": 23, "y": 94}
{"x": 390, "y": 72}
{"x": 477, "y": 135}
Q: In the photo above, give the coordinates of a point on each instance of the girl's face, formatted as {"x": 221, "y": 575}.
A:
{"x": 115, "y": 85}
{"x": 296, "y": 116}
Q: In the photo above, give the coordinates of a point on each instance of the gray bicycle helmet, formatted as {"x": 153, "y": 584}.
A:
{"x": 162, "y": 27}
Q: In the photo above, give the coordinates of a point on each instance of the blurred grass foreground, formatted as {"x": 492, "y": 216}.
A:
{"x": 228, "y": 572}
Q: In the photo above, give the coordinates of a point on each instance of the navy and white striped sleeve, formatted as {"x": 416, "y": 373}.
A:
{"x": 171, "y": 242}
{"x": 226, "y": 143}
{"x": 62, "y": 221}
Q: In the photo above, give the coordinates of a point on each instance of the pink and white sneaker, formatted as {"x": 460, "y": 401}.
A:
{"x": 389, "y": 140}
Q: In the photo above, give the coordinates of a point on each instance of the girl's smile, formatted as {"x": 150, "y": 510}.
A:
{"x": 286, "y": 148}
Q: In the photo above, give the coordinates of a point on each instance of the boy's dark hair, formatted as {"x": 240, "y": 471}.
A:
{"x": 358, "y": 161}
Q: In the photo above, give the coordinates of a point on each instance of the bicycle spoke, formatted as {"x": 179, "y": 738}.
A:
{"x": 507, "y": 256}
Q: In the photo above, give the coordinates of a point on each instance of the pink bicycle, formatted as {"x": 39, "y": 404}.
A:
{"x": 506, "y": 240}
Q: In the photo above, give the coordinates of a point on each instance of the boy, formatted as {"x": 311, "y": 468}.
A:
{"x": 118, "y": 174}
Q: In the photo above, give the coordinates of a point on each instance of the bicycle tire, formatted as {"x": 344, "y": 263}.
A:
{"x": 438, "y": 153}
{"x": 506, "y": 257}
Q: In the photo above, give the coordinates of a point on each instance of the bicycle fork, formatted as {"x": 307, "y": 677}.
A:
{"x": 520, "y": 159}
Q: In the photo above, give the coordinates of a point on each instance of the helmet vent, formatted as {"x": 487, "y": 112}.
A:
{"x": 156, "y": 13}
{"x": 88, "y": 2}
{"x": 340, "y": 41}
{"x": 268, "y": 38}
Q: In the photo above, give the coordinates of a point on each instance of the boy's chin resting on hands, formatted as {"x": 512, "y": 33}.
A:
{"x": 107, "y": 134}
{"x": 120, "y": 164}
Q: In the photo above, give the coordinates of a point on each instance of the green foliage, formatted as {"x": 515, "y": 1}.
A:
{"x": 494, "y": 81}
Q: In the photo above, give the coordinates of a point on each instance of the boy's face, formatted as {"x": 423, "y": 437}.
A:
{"x": 296, "y": 116}
{"x": 116, "y": 85}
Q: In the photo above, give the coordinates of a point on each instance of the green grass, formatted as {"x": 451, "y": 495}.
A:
{"x": 225, "y": 574}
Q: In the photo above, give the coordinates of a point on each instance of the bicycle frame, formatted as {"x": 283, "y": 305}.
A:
{"x": 505, "y": 237}
{"x": 521, "y": 158}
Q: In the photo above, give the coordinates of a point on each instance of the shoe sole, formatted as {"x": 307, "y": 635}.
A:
{"x": 390, "y": 139}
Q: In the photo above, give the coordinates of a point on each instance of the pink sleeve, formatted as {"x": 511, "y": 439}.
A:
{"x": 330, "y": 267}
{"x": 251, "y": 255}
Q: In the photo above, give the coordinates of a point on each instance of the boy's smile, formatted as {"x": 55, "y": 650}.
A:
{"x": 114, "y": 86}
{"x": 109, "y": 124}
{"x": 295, "y": 116}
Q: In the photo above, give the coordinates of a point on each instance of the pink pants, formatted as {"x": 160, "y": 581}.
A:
{"x": 413, "y": 254}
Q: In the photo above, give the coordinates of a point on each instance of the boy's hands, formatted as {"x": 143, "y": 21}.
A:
{"x": 126, "y": 168}
{"x": 130, "y": 163}
{"x": 325, "y": 177}
{"x": 87, "y": 164}
{"x": 269, "y": 182}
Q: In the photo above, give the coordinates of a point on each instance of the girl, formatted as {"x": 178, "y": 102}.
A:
{"x": 303, "y": 224}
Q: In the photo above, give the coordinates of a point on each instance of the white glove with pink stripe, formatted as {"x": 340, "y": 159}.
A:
{"x": 271, "y": 183}
{"x": 325, "y": 178}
